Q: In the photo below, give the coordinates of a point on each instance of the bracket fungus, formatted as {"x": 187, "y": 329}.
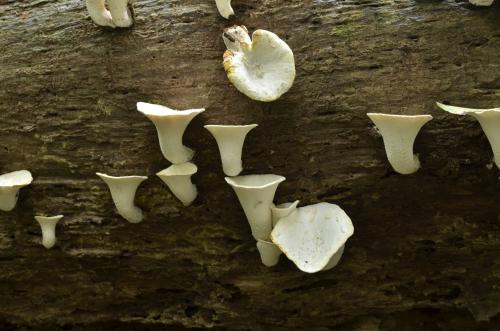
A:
{"x": 48, "y": 226}
{"x": 170, "y": 125}
{"x": 269, "y": 253}
{"x": 262, "y": 68}
{"x": 256, "y": 195}
{"x": 10, "y": 184}
{"x": 230, "y": 139}
{"x": 311, "y": 236}
{"x": 224, "y": 8}
{"x": 118, "y": 15}
{"x": 489, "y": 119}
{"x": 283, "y": 210}
{"x": 123, "y": 193}
{"x": 178, "y": 179}
{"x": 399, "y": 133}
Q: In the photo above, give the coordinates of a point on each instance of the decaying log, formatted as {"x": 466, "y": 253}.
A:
{"x": 426, "y": 250}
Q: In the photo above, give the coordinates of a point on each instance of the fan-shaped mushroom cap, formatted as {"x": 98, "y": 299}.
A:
{"x": 262, "y": 68}
{"x": 48, "y": 226}
{"x": 178, "y": 179}
{"x": 489, "y": 119}
{"x": 10, "y": 183}
{"x": 312, "y": 235}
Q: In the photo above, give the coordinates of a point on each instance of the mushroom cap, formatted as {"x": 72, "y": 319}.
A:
{"x": 254, "y": 181}
{"x": 121, "y": 180}
{"x": 16, "y": 179}
{"x": 311, "y": 235}
{"x": 153, "y": 110}
{"x": 262, "y": 69}
{"x": 481, "y": 2}
{"x": 463, "y": 111}
{"x": 183, "y": 169}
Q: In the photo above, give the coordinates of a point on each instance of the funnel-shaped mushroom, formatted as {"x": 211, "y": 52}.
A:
{"x": 256, "y": 195}
{"x": 489, "y": 119}
{"x": 99, "y": 14}
{"x": 283, "y": 210}
{"x": 269, "y": 253}
{"x": 262, "y": 68}
{"x": 48, "y": 226}
{"x": 483, "y": 3}
{"x": 230, "y": 139}
{"x": 123, "y": 193}
{"x": 224, "y": 7}
{"x": 10, "y": 184}
{"x": 399, "y": 133}
{"x": 170, "y": 125}
{"x": 178, "y": 179}
{"x": 120, "y": 13}
{"x": 312, "y": 235}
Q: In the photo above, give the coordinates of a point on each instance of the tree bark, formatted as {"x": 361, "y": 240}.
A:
{"x": 425, "y": 253}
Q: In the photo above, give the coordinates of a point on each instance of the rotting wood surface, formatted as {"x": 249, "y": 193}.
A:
{"x": 425, "y": 253}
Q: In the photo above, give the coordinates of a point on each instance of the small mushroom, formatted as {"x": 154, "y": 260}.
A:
{"x": 262, "y": 68}
{"x": 224, "y": 7}
{"x": 399, "y": 133}
{"x": 489, "y": 119}
{"x": 99, "y": 14}
{"x": 269, "y": 253}
{"x": 170, "y": 125}
{"x": 178, "y": 179}
{"x": 311, "y": 236}
{"x": 123, "y": 193}
{"x": 230, "y": 139}
{"x": 48, "y": 226}
{"x": 10, "y": 184}
{"x": 256, "y": 195}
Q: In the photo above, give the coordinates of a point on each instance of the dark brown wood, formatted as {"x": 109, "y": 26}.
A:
{"x": 426, "y": 249}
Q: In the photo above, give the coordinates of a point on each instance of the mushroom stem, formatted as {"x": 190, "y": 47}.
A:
{"x": 230, "y": 139}
{"x": 170, "y": 125}
{"x": 178, "y": 179}
{"x": 99, "y": 14}
{"x": 489, "y": 119}
{"x": 399, "y": 133}
{"x": 269, "y": 253}
{"x": 48, "y": 226}
{"x": 123, "y": 191}
{"x": 224, "y": 7}
{"x": 256, "y": 195}
{"x": 120, "y": 13}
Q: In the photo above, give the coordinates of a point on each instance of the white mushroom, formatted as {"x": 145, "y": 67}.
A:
{"x": 311, "y": 236}
{"x": 224, "y": 7}
{"x": 48, "y": 226}
{"x": 10, "y": 184}
{"x": 123, "y": 193}
{"x": 489, "y": 119}
{"x": 99, "y": 14}
{"x": 484, "y": 3}
{"x": 262, "y": 68}
{"x": 178, "y": 179}
{"x": 399, "y": 133}
{"x": 269, "y": 253}
{"x": 230, "y": 139}
{"x": 120, "y": 13}
{"x": 170, "y": 125}
{"x": 283, "y": 210}
{"x": 256, "y": 195}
